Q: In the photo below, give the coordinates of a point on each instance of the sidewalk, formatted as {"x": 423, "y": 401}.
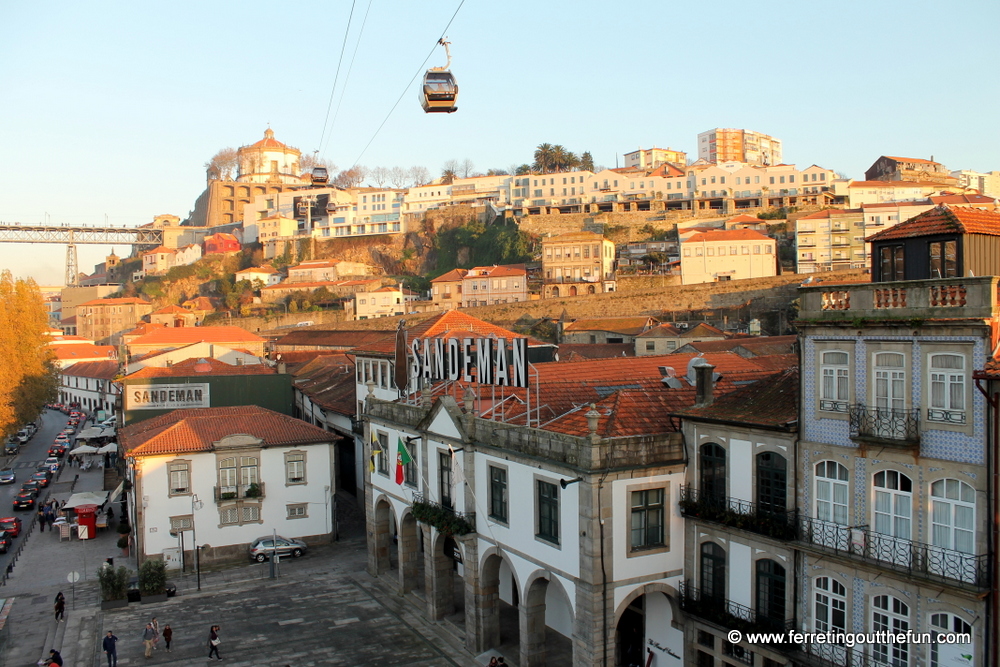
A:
{"x": 42, "y": 570}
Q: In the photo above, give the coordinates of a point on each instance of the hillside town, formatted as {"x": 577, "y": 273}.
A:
{"x": 707, "y": 403}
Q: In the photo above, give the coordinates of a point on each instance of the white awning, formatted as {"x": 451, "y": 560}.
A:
{"x": 86, "y": 498}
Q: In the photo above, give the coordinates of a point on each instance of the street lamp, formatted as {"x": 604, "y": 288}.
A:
{"x": 195, "y": 505}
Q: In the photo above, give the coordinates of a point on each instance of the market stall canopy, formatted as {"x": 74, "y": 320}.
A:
{"x": 110, "y": 448}
{"x": 86, "y": 498}
{"x": 84, "y": 449}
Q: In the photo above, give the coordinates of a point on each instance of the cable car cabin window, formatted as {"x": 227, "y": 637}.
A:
{"x": 891, "y": 263}
{"x": 943, "y": 259}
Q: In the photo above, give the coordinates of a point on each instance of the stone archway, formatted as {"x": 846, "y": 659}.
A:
{"x": 495, "y": 606}
{"x": 440, "y": 586}
{"x": 409, "y": 558}
{"x": 643, "y": 619}
{"x": 555, "y": 292}
{"x": 383, "y": 536}
{"x": 546, "y": 623}
{"x": 573, "y": 290}
{"x": 591, "y": 290}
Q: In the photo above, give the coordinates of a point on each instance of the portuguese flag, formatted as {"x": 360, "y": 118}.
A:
{"x": 402, "y": 458}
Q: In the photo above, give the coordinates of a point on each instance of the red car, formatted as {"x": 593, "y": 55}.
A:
{"x": 11, "y": 525}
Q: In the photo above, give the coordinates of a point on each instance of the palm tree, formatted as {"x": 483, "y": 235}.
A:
{"x": 448, "y": 176}
{"x": 544, "y": 155}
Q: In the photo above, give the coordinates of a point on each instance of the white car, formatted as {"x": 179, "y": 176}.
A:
{"x": 53, "y": 463}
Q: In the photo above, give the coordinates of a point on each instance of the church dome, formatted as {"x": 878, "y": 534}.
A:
{"x": 269, "y": 141}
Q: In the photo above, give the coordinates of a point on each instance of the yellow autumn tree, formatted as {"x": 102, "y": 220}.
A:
{"x": 28, "y": 376}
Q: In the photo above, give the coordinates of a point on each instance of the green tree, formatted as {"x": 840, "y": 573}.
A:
{"x": 587, "y": 161}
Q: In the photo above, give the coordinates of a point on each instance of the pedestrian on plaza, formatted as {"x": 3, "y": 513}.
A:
{"x": 110, "y": 646}
{"x": 156, "y": 628}
{"x": 148, "y": 635}
{"x": 60, "y": 608}
{"x": 493, "y": 662}
{"x": 41, "y": 520}
{"x": 168, "y": 636}
{"x": 55, "y": 658}
{"x": 213, "y": 642}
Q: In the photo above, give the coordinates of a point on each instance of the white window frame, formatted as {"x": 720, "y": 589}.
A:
{"x": 946, "y": 400}
{"x": 828, "y": 490}
{"x": 829, "y": 597}
{"x": 835, "y": 381}
{"x": 890, "y": 614}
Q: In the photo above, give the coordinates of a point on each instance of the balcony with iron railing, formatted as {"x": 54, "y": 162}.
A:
{"x": 934, "y": 563}
{"x": 254, "y": 490}
{"x": 815, "y": 654}
{"x": 728, "y": 614}
{"x": 890, "y": 427}
{"x": 443, "y": 517}
{"x": 738, "y": 513}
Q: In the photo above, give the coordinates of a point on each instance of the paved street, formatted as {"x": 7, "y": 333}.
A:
{"x": 323, "y": 609}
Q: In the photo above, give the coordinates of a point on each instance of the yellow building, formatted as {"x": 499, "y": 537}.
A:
{"x": 577, "y": 263}
{"x": 651, "y": 158}
{"x": 103, "y": 320}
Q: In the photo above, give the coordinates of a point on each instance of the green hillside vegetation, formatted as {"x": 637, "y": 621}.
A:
{"x": 485, "y": 245}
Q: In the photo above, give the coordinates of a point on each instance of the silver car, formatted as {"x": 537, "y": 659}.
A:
{"x": 262, "y": 548}
{"x": 7, "y": 476}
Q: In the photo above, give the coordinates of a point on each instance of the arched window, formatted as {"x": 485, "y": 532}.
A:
{"x": 890, "y": 381}
{"x": 892, "y": 521}
{"x": 835, "y": 385}
{"x": 713, "y": 473}
{"x": 943, "y": 655}
{"x": 830, "y": 605}
{"x": 227, "y": 476}
{"x": 772, "y": 481}
{"x": 831, "y": 492}
{"x": 953, "y": 515}
{"x": 947, "y": 402}
{"x": 771, "y": 591}
{"x": 891, "y": 615}
{"x": 713, "y": 572}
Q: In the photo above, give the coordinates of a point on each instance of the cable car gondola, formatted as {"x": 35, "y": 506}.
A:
{"x": 440, "y": 91}
{"x": 320, "y": 175}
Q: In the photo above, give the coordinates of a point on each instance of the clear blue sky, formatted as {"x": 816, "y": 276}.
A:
{"x": 111, "y": 109}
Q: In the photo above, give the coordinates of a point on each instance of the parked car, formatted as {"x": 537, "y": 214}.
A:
{"x": 53, "y": 463}
{"x": 22, "y": 436}
{"x": 134, "y": 595}
{"x": 8, "y": 476}
{"x": 11, "y": 525}
{"x": 12, "y": 447}
{"x": 262, "y": 548}
{"x": 25, "y": 500}
{"x": 31, "y": 485}
{"x": 5, "y": 542}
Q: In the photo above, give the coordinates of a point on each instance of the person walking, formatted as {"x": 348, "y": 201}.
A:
{"x": 156, "y": 628}
{"x": 60, "y": 608}
{"x": 148, "y": 635}
{"x": 41, "y": 520}
{"x": 213, "y": 642}
{"x": 168, "y": 635}
{"x": 110, "y": 646}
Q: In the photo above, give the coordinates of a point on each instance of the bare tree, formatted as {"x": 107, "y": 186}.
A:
{"x": 419, "y": 175}
{"x": 379, "y": 175}
{"x": 351, "y": 178}
{"x": 399, "y": 177}
{"x": 311, "y": 160}
{"x": 223, "y": 164}
{"x": 466, "y": 168}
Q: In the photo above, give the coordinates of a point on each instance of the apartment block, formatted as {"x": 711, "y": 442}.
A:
{"x": 103, "y": 320}
{"x": 578, "y": 263}
{"x": 488, "y": 285}
{"x": 735, "y": 254}
{"x": 651, "y": 158}
{"x": 735, "y": 145}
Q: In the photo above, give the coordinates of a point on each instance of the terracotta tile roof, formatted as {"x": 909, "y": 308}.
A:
{"x": 329, "y": 382}
{"x": 703, "y": 329}
{"x": 662, "y": 330}
{"x": 991, "y": 371}
{"x": 449, "y": 324}
{"x": 743, "y": 217}
{"x": 102, "y": 370}
{"x": 944, "y": 219}
{"x": 583, "y": 351}
{"x": 889, "y": 184}
{"x": 268, "y": 141}
{"x": 897, "y": 204}
{"x": 161, "y": 250}
{"x": 771, "y": 402}
{"x": 910, "y": 159}
{"x": 145, "y": 327}
{"x": 177, "y": 336}
{"x": 727, "y": 235}
{"x": 964, "y": 199}
{"x": 316, "y": 264}
{"x": 319, "y": 283}
{"x": 666, "y": 171}
{"x": 84, "y": 351}
{"x": 453, "y": 276}
{"x": 574, "y": 236}
{"x": 347, "y": 339}
{"x": 197, "y": 429}
{"x": 499, "y": 271}
{"x": 201, "y": 366}
{"x": 258, "y": 269}
{"x": 777, "y": 361}
{"x": 298, "y": 358}
{"x": 631, "y": 326}
{"x": 200, "y": 303}
{"x": 170, "y": 309}
{"x": 119, "y": 301}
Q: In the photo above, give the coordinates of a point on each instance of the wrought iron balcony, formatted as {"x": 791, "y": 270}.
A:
{"x": 738, "y": 514}
{"x": 815, "y": 654}
{"x": 728, "y": 614}
{"x": 894, "y": 427}
{"x": 239, "y": 492}
{"x": 915, "y": 558}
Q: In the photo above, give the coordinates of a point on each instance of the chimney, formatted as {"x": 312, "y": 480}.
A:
{"x": 593, "y": 416}
{"x": 704, "y": 385}
{"x": 282, "y": 368}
